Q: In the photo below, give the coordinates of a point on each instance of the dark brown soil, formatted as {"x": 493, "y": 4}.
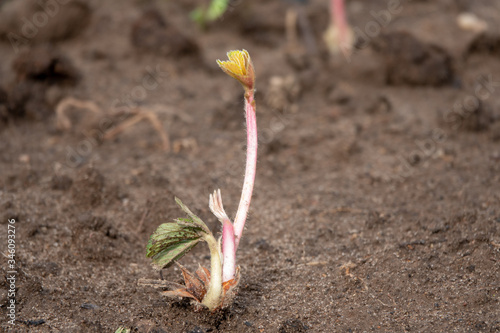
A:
{"x": 377, "y": 199}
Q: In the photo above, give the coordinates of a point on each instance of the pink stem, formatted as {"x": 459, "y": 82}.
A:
{"x": 246, "y": 193}
{"x": 338, "y": 15}
{"x": 228, "y": 251}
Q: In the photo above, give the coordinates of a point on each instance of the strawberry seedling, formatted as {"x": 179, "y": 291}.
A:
{"x": 213, "y": 289}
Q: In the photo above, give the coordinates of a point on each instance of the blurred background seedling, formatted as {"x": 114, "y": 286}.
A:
{"x": 209, "y": 13}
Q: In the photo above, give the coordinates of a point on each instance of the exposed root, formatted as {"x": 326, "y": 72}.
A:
{"x": 140, "y": 115}
{"x": 63, "y": 122}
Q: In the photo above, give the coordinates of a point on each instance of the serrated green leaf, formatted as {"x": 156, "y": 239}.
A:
{"x": 174, "y": 252}
{"x": 188, "y": 223}
{"x": 195, "y": 219}
{"x": 167, "y": 235}
{"x": 171, "y": 241}
{"x": 174, "y": 229}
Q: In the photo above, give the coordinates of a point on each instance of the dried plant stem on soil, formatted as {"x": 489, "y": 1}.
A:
{"x": 63, "y": 122}
{"x": 140, "y": 115}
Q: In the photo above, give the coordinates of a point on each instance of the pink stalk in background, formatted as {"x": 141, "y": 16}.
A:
{"x": 337, "y": 12}
{"x": 339, "y": 36}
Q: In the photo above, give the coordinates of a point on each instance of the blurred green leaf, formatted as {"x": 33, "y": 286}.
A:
{"x": 214, "y": 11}
{"x": 122, "y": 330}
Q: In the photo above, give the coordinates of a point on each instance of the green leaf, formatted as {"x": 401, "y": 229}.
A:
{"x": 168, "y": 235}
{"x": 173, "y": 240}
{"x": 122, "y": 330}
{"x": 194, "y": 219}
{"x": 168, "y": 255}
{"x": 214, "y": 11}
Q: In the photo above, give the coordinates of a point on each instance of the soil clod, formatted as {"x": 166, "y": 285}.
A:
{"x": 409, "y": 61}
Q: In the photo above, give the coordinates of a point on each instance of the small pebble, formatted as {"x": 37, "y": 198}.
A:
{"x": 24, "y": 158}
{"x": 89, "y": 306}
